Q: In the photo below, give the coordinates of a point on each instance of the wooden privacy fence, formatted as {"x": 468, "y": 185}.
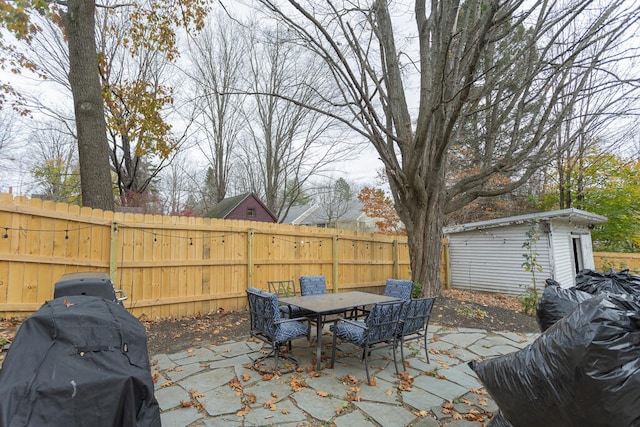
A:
{"x": 177, "y": 266}
{"x": 617, "y": 261}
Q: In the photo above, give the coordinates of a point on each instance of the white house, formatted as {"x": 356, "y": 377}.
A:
{"x": 351, "y": 218}
{"x": 488, "y": 255}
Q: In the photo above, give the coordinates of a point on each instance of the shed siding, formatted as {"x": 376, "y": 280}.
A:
{"x": 563, "y": 253}
{"x": 490, "y": 260}
{"x": 240, "y": 211}
{"x": 563, "y": 250}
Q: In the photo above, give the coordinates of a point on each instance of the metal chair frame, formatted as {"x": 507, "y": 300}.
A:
{"x": 414, "y": 323}
{"x": 378, "y": 330}
{"x": 268, "y": 326}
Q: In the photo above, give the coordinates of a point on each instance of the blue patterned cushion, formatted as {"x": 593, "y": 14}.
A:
{"x": 266, "y": 317}
{"x": 313, "y": 285}
{"x": 290, "y": 330}
{"x": 398, "y": 289}
{"x": 382, "y": 321}
{"x": 350, "y": 332}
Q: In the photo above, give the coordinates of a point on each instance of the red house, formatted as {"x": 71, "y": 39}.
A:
{"x": 246, "y": 207}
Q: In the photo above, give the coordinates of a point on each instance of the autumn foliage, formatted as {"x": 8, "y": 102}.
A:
{"x": 378, "y": 205}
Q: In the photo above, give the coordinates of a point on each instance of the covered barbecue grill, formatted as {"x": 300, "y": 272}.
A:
{"x": 78, "y": 361}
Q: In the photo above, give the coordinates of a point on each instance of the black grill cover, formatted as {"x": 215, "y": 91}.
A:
{"x": 78, "y": 361}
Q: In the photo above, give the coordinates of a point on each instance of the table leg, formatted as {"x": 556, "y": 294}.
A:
{"x": 319, "y": 339}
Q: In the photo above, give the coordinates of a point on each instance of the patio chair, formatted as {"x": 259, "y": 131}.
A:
{"x": 286, "y": 288}
{"x": 268, "y": 326}
{"x": 398, "y": 288}
{"x": 414, "y": 323}
{"x": 378, "y": 330}
{"x": 313, "y": 285}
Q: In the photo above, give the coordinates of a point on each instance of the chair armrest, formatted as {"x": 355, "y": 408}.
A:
{"x": 351, "y": 322}
{"x": 296, "y": 319}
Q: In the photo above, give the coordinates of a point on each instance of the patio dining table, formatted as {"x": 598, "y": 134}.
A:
{"x": 321, "y": 305}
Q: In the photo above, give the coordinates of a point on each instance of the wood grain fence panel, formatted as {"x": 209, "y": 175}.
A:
{"x": 171, "y": 266}
{"x": 617, "y": 261}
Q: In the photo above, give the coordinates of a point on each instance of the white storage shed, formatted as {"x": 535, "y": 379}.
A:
{"x": 488, "y": 255}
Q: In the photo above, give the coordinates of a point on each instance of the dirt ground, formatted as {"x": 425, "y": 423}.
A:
{"x": 455, "y": 308}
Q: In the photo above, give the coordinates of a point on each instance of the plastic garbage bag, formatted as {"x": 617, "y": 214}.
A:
{"x": 595, "y": 282}
{"x": 498, "y": 420}
{"x": 556, "y": 302}
{"x": 582, "y": 371}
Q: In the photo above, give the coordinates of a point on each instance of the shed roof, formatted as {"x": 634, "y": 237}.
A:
{"x": 573, "y": 214}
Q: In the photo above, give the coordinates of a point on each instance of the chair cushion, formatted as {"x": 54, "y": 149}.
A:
{"x": 290, "y": 330}
{"x": 349, "y": 332}
{"x": 313, "y": 285}
{"x": 398, "y": 288}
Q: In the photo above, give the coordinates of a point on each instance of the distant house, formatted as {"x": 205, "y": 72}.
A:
{"x": 488, "y": 255}
{"x": 246, "y": 207}
{"x": 350, "y": 218}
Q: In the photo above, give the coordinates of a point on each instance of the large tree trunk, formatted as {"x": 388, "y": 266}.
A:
{"x": 93, "y": 149}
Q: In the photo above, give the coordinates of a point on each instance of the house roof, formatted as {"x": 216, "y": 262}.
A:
{"x": 576, "y": 215}
{"x": 298, "y": 213}
{"x": 225, "y": 206}
{"x": 312, "y": 214}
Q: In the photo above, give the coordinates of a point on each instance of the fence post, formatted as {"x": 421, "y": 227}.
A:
{"x": 113, "y": 253}
{"x": 396, "y": 260}
{"x": 335, "y": 264}
{"x": 250, "y": 262}
{"x": 447, "y": 264}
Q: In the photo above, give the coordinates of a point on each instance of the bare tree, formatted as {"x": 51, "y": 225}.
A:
{"x": 334, "y": 198}
{"x": 287, "y": 143}
{"x": 54, "y": 163}
{"x": 497, "y": 63}
{"x": 217, "y": 59}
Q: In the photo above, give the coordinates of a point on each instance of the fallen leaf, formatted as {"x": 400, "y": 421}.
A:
{"x": 243, "y": 412}
{"x": 251, "y": 398}
{"x": 322, "y": 393}
{"x": 246, "y": 377}
{"x": 388, "y": 392}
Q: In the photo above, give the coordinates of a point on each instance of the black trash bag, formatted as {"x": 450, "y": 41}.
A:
{"x": 78, "y": 361}
{"x": 595, "y": 282}
{"x": 557, "y": 302}
{"x": 498, "y": 420}
{"x": 583, "y": 371}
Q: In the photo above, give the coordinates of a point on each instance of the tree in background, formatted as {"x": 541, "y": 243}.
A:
{"x": 216, "y": 64}
{"x": 156, "y": 22}
{"x": 609, "y": 186}
{"x": 333, "y": 199}
{"x": 501, "y": 65}
{"x": 54, "y": 165}
{"x": 376, "y": 204}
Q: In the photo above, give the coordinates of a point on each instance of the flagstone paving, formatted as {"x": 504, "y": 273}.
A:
{"x": 215, "y": 385}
